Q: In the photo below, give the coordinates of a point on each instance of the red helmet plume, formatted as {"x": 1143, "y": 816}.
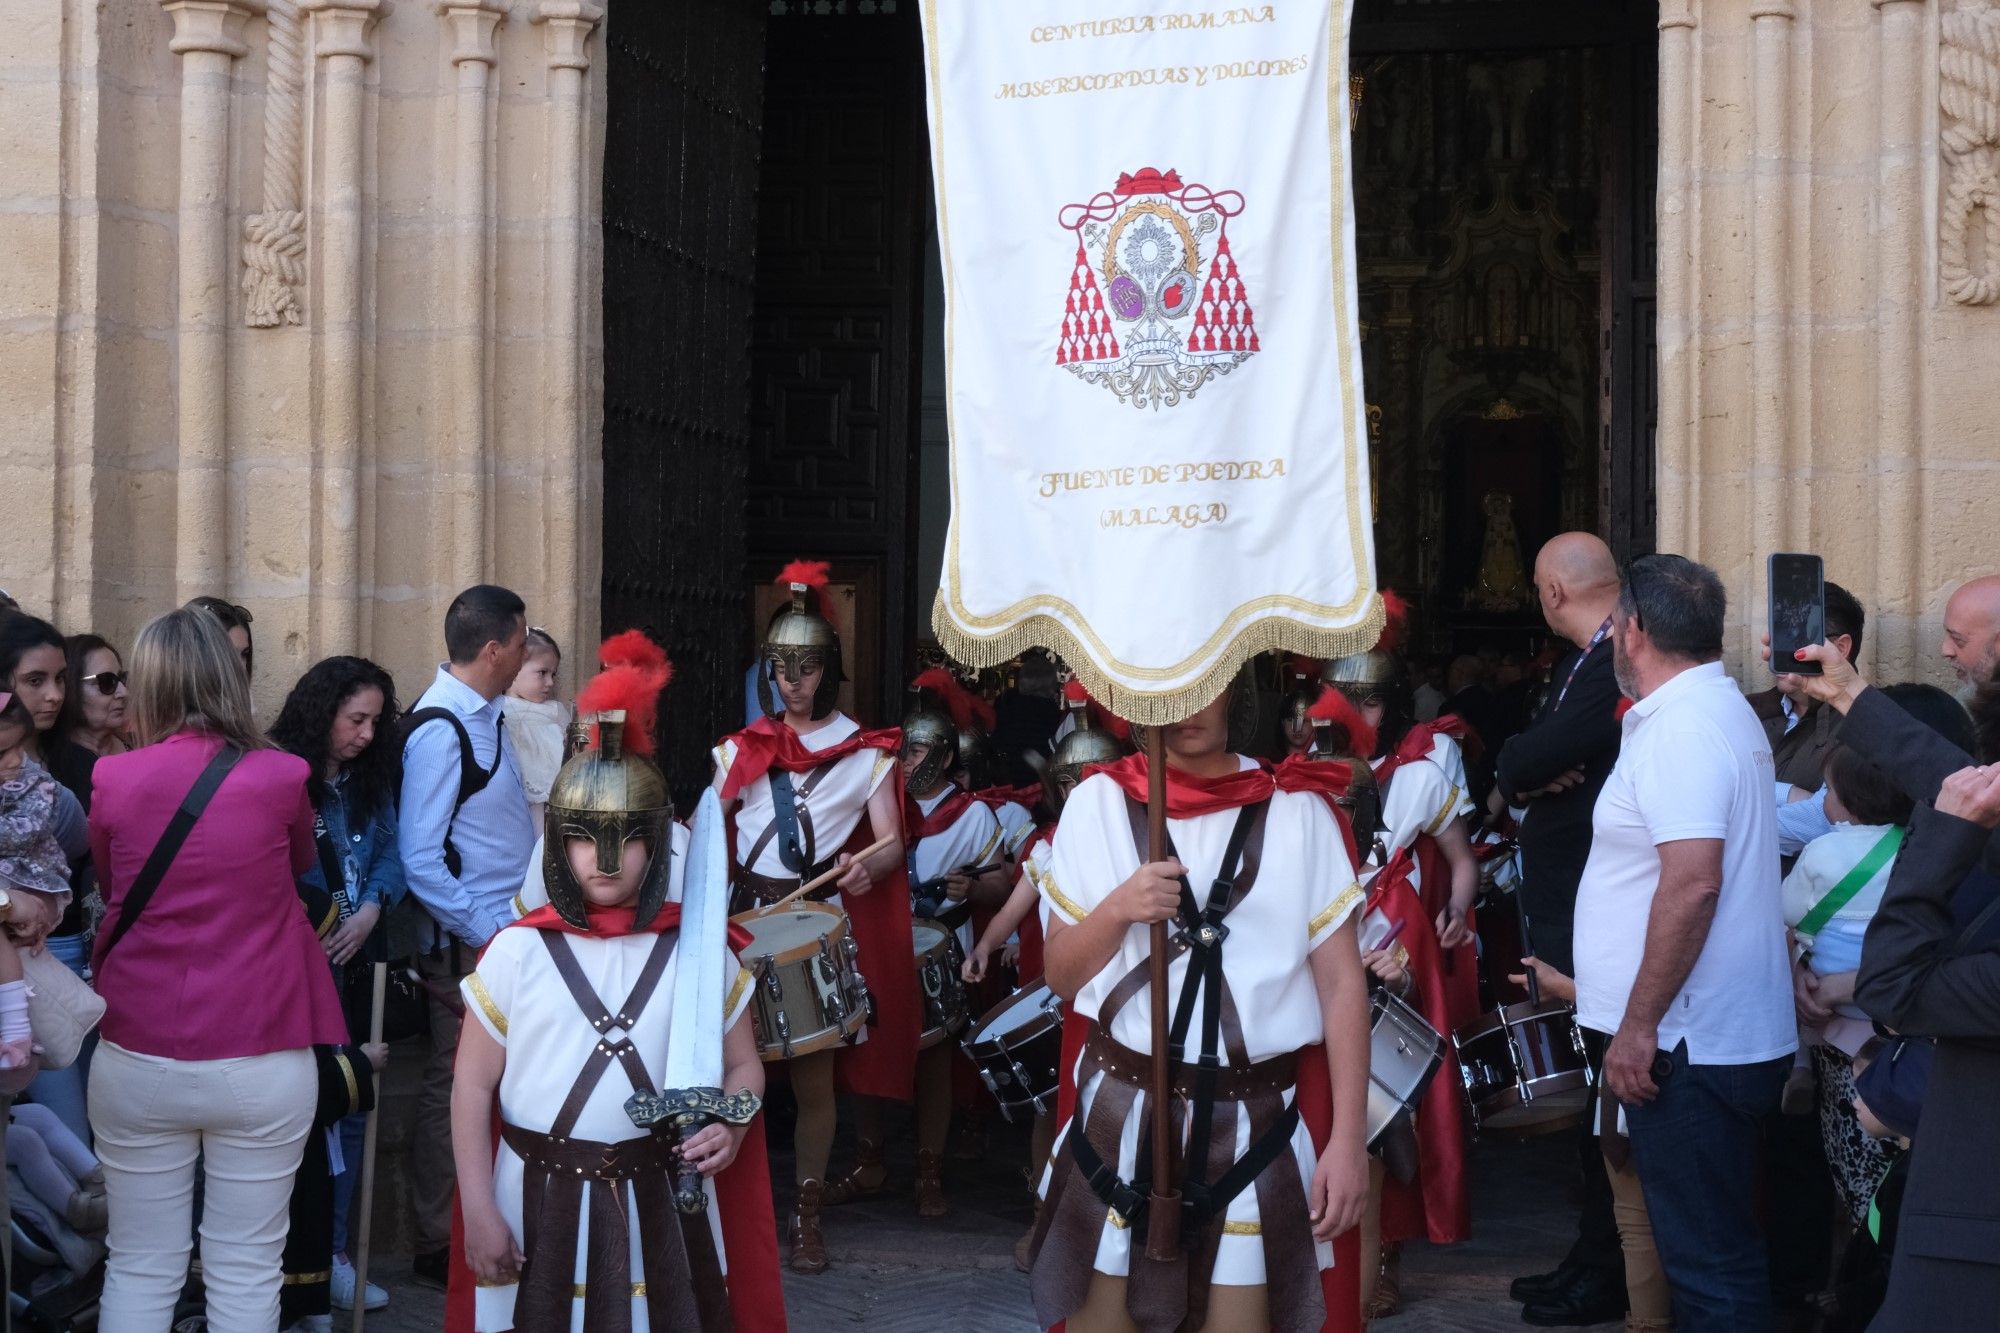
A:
{"x": 1395, "y": 621}
{"x": 633, "y": 647}
{"x": 814, "y": 575}
{"x": 629, "y": 687}
{"x": 965, "y": 707}
{"x": 1334, "y": 707}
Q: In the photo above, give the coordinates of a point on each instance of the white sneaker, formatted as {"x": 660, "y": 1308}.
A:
{"x": 342, "y": 1283}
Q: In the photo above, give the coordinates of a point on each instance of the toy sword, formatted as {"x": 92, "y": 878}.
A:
{"x": 693, "y": 1095}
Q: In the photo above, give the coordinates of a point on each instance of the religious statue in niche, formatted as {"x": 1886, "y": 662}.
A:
{"x": 1503, "y": 579}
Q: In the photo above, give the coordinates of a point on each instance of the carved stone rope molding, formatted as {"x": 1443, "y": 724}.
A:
{"x": 274, "y": 241}
{"x": 1969, "y": 97}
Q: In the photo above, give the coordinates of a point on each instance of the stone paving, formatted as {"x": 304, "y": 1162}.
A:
{"x": 894, "y": 1272}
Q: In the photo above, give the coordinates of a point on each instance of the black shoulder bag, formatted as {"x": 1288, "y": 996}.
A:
{"x": 169, "y": 845}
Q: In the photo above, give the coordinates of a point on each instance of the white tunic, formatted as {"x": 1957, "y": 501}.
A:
{"x": 535, "y": 893}
{"x": 1305, "y": 889}
{"x": 836, "y": 805}
{"x": 1017, "y": 825}
{"x": 1423, "y": 797}
{"x": 520, "y": 999}
{"x": 972, "y": 840}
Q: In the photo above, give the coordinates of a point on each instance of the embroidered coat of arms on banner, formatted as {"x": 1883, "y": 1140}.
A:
{"x": 1158, "y": 437}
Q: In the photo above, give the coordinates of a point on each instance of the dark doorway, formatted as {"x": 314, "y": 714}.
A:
{"x": 684, "y": 91}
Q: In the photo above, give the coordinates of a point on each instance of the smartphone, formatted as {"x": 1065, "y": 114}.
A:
{"x": 1798, "y": 610}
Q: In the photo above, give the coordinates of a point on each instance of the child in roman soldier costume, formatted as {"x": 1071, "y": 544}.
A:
{"x": 591, "y": 1213}
{"x": 1086, "y": 746}
{"x": 1427, "y": 879}
{"x": 809, "y": 790}
{"x": 346, "y": 1087}
{"x": 955, "y": 861}
{"x": 1268, "y": 1046}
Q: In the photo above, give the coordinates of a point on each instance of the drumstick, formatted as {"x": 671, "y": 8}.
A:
{"x": 880, "y": 844}
{"x": 1382, "y": 945}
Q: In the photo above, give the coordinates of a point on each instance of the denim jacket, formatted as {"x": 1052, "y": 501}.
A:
{"x": 369, "y": 859}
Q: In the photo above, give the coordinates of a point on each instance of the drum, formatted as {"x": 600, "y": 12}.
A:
{"x": 1404, "y": 1052}
{"x": 808, "y": 995}
{"x": 1525, "y": 1069}
{"x": 945, "y": 1009}
{"x": 1017, "y": 1047}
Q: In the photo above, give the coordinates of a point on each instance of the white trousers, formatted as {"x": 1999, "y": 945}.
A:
{"x": 246, "y": 1119}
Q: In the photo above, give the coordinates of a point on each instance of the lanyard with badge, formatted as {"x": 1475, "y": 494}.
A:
{"x": 1603, "y": 632}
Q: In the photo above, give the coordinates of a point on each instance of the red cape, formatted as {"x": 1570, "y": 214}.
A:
{"x": 742, "y": 1190}
{"x": 943, "y": 815}
{"x": 613, "y": 922}
{"x": 1027, "y": 797}
{"x": 1437, "y": 1205}
{"x": 1189, "y": 797}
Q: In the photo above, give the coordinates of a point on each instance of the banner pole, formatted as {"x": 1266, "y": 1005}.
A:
{"x": 367, "y": 1213}
{"x": 1163, "y": 1209}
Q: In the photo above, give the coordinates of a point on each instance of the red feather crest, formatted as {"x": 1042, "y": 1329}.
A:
{"x": 1336, "y": 708}
{"x": 1396, "y": 621}
{"x": 1074, "y": 694}
{"x": 635, "y": 648}
{"x": 629, "y": 686}
{"x": 812, "y": 573}
{"x": 965, "y": 707}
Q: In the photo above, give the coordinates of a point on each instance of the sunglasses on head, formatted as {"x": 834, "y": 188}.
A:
{"x": 107, "y": 683}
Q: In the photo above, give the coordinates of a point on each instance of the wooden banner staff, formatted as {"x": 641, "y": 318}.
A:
{"x": 1163, "y": 1209}
{"x": 368, "y": 1156}
{"x": 880, "y": 844}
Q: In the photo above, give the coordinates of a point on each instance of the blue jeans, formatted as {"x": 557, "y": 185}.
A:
{"x": 61, "y": 1090}
{"x": 353, "y": 1130}
{"x": 1697, "y": 1146}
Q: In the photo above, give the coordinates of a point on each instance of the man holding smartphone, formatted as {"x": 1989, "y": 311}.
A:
{"x": 1802, "y": 732}
{"x": 1680, "y": 943}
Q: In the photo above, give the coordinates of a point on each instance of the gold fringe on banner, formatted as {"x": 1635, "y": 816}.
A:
{"x": 1147, "y": 707}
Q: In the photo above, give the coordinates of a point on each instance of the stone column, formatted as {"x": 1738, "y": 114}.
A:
{"x": 341, "y": 41}
{"x": 1900, "y": 293}
{"x": 566, "y": 29}
{"x": 1677, "y": 439}
{"x": 1777, "y": 480}
{"x": 208, "y": 37}
{"x": 466, "y": 492}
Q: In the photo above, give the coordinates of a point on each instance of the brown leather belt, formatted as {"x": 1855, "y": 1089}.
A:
{"x": 1233, "y": 1084}
{"x": 589, "y": 1158}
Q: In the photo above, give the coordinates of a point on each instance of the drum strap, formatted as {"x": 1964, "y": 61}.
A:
{"x": 788, "y": 820}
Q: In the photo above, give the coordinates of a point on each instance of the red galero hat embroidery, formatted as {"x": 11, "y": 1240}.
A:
{"x": 1156, "y": 307}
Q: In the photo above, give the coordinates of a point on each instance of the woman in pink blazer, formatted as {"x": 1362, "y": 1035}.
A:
{"x": 214, "y": 994}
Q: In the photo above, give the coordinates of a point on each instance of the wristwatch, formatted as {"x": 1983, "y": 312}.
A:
{"x": 6, "y": 903}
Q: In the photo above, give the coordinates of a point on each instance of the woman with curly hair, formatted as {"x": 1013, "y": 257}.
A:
{"x": 340, "y": 718}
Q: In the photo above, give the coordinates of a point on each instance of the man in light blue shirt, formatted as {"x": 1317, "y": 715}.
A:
{"x": 463, "y": 862}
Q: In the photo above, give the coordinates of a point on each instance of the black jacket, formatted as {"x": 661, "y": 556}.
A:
{"x": 1577, "y": 730}
{"x": 1917, "y": 979}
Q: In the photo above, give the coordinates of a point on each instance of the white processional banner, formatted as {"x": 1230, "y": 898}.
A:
{"x": 1158, "y": 437}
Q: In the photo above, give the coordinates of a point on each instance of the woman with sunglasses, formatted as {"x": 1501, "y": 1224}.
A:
{"x": 34, "y": 667}
{"x": 94, "y": 710}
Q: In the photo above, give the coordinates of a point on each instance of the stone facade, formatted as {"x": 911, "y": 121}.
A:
{"x": 1827, "y": 338}
{"x": 303, "y": 307}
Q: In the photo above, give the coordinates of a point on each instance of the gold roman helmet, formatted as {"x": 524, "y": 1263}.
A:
{"x": 929, "y": 725}
{"x": 800, "y": 636}
{"x": 610, "y": 796}
{"x": 1377, "y": 673}
{"x": 975, "y": 756}
{"x": 1086, "y": 745}
{"x": 1341, "y": 734}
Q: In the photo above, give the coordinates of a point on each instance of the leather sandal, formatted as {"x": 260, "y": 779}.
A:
{"x": 808, "y": 1250}
{"x": 856, "y": 1184}
{"x": 929, "y": 1187}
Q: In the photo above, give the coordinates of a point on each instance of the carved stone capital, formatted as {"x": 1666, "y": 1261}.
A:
{"x": 341, "y": 27}
{"x": 473, "y": 23}
{"x": 1676, "y": 14}
{"x": 1773, "y": 9}
{"x": 567, "y": 26}
{"x": 211, "y": 25}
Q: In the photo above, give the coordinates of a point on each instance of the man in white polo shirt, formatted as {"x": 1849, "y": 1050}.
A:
{"x": 1680, "y": 942}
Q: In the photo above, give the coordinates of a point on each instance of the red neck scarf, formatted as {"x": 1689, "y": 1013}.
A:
{"x": 1419, "y": 740}
{"x": 942, "y": 816}
{"x": 768, "y": 743}
{"x": 610, "y": 923}
{"x": 1189, "y": 797}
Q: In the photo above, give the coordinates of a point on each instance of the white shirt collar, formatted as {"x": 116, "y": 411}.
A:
{"x": 1683, "y": 682}
{"x": 458, "y": 696}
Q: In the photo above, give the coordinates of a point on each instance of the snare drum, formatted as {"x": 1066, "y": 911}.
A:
{"x": 1404, "y": 1052}
{"x": 945, "y": 1008}
{"x": 1525, "y": 1068}
{"x": 808, "y": 995}
{"x": 1017, "y": 1047}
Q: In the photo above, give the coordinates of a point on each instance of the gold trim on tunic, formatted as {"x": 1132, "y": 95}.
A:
{"x": 743, "y": 979}
{"x": 1061, "y": 899}
{"x": 353, "y": 1087}
{"x": 485, "y": 1001}
{"x": 1446, "y": 814}
{"x": 1331, "y": 913}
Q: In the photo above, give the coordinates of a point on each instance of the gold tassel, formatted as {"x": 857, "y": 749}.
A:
{"x": 1155, "y": 708}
